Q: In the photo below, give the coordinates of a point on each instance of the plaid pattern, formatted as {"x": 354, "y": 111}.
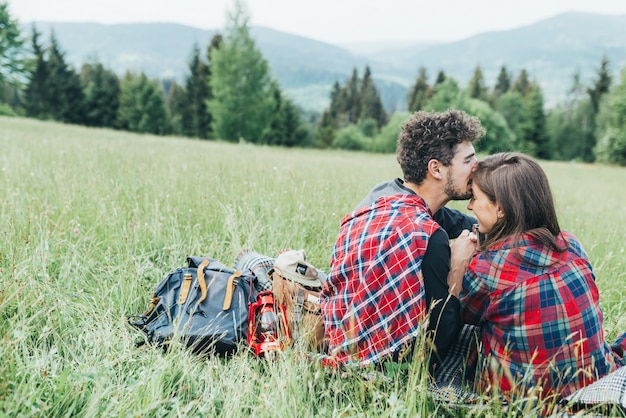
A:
{"x": 454, "y": 377}
{"x": 611, "y": 389}
{"x": 540, "y": 318}
{"x": 373, "y": 301}
{"x": 619, "y": 347}
{"x": 259, "y": 264}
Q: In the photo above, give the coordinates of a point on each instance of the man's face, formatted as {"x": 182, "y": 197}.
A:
{"x": 459, "y": 172}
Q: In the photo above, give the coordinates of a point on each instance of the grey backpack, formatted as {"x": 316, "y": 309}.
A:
{"x": 204, "y": 304}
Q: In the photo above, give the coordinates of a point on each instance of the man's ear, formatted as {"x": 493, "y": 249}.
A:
{"x": 434, "y": 168}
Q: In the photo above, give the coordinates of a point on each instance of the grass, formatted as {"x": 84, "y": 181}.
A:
{"x": 91, "y": 220}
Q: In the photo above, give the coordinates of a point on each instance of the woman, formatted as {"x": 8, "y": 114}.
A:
{"x": 531, "y": 288}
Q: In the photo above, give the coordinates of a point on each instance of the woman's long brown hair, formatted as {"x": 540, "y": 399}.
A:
{"x": 520, "y": 186}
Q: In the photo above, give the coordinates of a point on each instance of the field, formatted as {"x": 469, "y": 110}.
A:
{"x": 91, "y": 220}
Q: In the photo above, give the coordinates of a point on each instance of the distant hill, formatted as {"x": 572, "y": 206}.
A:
{"x": 551, "y": 51}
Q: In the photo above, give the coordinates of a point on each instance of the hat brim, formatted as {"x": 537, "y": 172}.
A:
{"x": 312, "y": 283}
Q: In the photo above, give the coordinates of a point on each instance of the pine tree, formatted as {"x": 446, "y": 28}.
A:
{"x": 197, "y": 89}
{"x": 512, "y": 107}
{"x": 476, "y": 87}
{"x": 441, "y": 77}
{"x": 240, "y": 82}
{"x": 129, "y": 111}
{"x": 180, "y": 114}
{"x": 611, "y": 146}
{"x": 12, "y": 51}
{"x": 274, "y": 133}
{"x": 448, "y": 94}
{"x": 35, "y": 95}
{"x": 353, "y": 98}
{"x": 420, "y": 92}
{"x": 101, "y": 88}
{"x": 570, "y": 125}
{"x": 216, "y": 42}
{"x": 64, "y": 93}
{"x": 537, "y": 135}
{"x": 325, "y": 134}
{"x": 336, "y": 105}
{"x": 601, "y": 85}
{"x": 286, "y": 127}
{"x": 142, "y": 106}
{"x": 503, "y": 83}
{"x": 371, "y": 104}
{"x": 155, "y": 117}
{"x": 522, "y": 84}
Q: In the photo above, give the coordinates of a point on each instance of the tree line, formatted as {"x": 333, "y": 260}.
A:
{"x": 229, "y": 94}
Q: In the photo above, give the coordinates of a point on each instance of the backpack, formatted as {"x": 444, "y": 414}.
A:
{"x": 206, "y": 304}
{"x": 297, "y": 284}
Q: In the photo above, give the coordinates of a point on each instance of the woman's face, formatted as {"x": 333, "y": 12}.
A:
{"x": 485, "y": 210}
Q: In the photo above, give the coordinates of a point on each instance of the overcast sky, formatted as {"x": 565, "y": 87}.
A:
{"x": 334, "y": 21}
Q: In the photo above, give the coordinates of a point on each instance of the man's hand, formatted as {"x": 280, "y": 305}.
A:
{"x": 461, "y": 252}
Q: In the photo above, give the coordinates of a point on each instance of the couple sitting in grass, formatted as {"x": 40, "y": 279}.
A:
{"x": 527, "y": 285}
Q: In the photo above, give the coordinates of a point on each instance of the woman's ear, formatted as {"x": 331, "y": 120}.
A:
{"x": 434, "y": 168}
{"x": 499, "y": 212}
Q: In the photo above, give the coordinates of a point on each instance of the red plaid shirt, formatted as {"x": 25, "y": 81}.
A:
{"x": 373, "y": 301}
{"x": 541, "y": 320}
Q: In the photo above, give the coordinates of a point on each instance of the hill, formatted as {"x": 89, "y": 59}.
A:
{"x": 551, "y": 50}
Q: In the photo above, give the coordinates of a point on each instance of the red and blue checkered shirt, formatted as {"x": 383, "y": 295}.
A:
{"x": 373, "y": 301}
{"x": 540, "y": 319}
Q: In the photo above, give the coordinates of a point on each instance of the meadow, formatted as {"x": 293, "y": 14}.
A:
{"x": 91, "y": 220}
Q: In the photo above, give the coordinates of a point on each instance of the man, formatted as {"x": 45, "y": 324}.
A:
{"x": 391, "y": 263}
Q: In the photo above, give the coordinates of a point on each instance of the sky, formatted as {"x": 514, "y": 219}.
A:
{"x": 332, "y": 21}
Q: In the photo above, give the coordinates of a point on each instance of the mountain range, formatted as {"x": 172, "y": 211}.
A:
{"x": 551, "y": 50}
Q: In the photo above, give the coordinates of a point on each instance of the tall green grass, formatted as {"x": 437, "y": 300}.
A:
{"x": 91, "y": 220}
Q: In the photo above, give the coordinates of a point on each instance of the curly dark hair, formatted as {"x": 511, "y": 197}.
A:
{"x": 433, "y": 135}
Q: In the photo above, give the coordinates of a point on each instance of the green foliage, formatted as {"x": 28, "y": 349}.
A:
{"x": 55, "y": 90}
{"x": 351, "y": 138}
{"x": 250, "y": 108}
{"x": 6, "y": 110}
{"x": 286, "y": 127}
{"x": 611, "y": 147}
{"x": 325, "y": 132}
{"x": 13, "y": 60}
{"x": 197, "y": 118}
{"x": 35, "y": 96}
{"x": 522, "y": 83}
{"x": 179, "y": 108}
{"x": 420, "y": 92}
{"x": 370, "y": 102}
{"x": 447, "y": 94}
{"x": 351, "y": 104}
{"x": 368, "y": 127}
{"x": 511, "y": 106}
{"x": 142, "y": 106}
{"x": 536, "y": 135}
{"x": 503, "y": 84}
{"x": 101, "y": 88}
{"x": 498, "y": 137}
{"x": 240, "y": 82}
{"x": 570, "y": 125}
{"x": 476, "y": 87}
{"x": 64, "y": 96}
{"x": 601, "y": 84}
{"x": 386, "y": 140}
